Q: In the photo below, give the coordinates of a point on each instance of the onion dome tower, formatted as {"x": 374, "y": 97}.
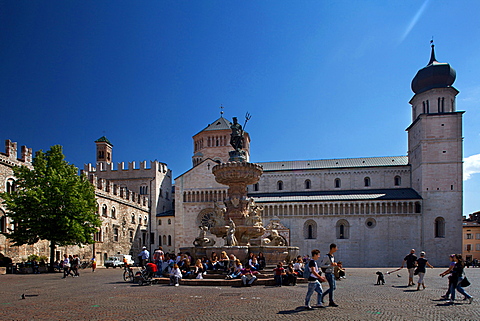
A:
{"x": 435, "y": 154}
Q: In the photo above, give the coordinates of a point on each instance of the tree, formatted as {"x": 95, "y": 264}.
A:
{"x": 51, "y": 202}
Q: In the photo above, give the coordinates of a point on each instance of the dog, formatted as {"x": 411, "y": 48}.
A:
{"x": 380, "y": 278}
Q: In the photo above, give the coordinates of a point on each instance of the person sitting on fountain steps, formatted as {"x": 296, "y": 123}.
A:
{"x": 248, "y": 276}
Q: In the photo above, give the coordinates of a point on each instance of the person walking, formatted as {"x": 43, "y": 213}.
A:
{"x": 448, "y": 271}
{"x": 328, "y": 267}
{"x": 75, "y": 265}
{"x": 94, "y": 263}
{"x": 66, "y": 266}
{"x": 314, "y": 282}
{"x": 145, "y": 256}
{"x": 411, "y": 260}
{"x": 457, "y": 277}
{"x": 422, "y": 263}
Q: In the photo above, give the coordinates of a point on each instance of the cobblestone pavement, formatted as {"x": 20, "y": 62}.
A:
{"x": 104, "y": 296}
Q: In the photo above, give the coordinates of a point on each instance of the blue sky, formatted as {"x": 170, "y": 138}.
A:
{"x": 322, "y": 79}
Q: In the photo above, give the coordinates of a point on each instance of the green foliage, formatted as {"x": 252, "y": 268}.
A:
{"x": 32, "y": 257}
{"x": 51, "y": 202}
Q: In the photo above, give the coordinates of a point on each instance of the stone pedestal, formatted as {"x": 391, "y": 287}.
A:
{"x": 237, "y": 175}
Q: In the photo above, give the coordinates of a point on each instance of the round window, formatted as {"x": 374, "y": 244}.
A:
{"x": 370, "y": 223}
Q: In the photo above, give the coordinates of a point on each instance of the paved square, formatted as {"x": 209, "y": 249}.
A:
{"x": 104, "y": 296}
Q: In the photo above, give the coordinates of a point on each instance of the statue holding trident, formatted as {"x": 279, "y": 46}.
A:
{"x": 236, "y": 137}
{"x": 238, "y": 141}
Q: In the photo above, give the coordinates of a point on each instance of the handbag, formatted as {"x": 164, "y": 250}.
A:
{"x": 415, "y": 272}
{"x": 465, "y": 282}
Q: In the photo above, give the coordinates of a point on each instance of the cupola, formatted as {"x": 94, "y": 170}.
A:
{"x": 434, "y": 75}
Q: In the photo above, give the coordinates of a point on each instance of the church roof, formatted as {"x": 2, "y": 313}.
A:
{"x": 345, "y": 195}
{"x": 219, "y": 124}
{"x": 335, "y": 163}
{"x": 103, "y": 139}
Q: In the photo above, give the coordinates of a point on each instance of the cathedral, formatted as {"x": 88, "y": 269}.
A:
{"x": 375, "y": 209}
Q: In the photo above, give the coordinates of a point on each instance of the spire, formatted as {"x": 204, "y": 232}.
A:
{"x": 432, "y": 55}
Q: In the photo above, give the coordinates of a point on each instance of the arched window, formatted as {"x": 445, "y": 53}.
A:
{"x": 308, "y": 184}
{"x": 133, "y": 218}
{"x": 104, "y": 210}
{"x": 169, "y": 221}
{"x": 255, "y": 187}
{"x": 10, "y": 185}
{"x": 159, "y": 240}
{"x": 115, "y": 234}
{"x": 164, "y": 239}
{"x": 3, "y": 222}
{"x": 131, "y": 236}
{"x": 397, "y": 180}
{"x": 366, "y": 181}
{"x": 343, "y": 229}
{"x": 310, "y": 229}
{"x": 439, "y": 227}
{"x": 280, "y": 185}
{"x": 145, "y": 220}
{"x": 112, "y": 212}
{"x": 338, "y": 183}
{"x": 169, "y": 240}
{"x": 159, "y": 222}
{"x": 418, "y": 207}
{"x": 139, "y": 218}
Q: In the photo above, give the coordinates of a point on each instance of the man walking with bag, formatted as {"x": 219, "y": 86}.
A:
{"x": 328, "y": 266}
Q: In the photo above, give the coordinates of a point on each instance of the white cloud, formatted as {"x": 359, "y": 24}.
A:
{"x": 414, "y": 21}
{"x": 471, "y": 95}
{"x": 471, "y": 166}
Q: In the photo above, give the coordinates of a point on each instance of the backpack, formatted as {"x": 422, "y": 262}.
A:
{"x": 306, "y": 271}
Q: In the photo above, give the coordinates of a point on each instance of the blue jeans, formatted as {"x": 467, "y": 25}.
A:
{"x": 314, "y": 286}
{"x": 278, "y": 279}
{"x": 459, "y": 288}
{"x": 332, "y": 283}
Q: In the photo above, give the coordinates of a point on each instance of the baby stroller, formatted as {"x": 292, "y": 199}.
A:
{"x": 146, "y": 275}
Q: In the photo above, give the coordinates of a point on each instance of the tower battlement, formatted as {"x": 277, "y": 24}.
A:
{"x": 122, "y": 167}
{"x": 118, "y": 193}
{"x": 10, "y": 157}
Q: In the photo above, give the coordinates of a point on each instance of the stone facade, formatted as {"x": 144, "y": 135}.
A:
{"x": 154, "y": 181}
{"x": 124, "y": 214}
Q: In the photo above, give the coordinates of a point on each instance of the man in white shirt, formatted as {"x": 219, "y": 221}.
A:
{"x": 328, "y": 266}
{"x": 145, "y": 256}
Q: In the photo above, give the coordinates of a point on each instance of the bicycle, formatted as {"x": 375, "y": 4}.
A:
{"x": 86, "y": 264}
{"x": 128, "y": 275}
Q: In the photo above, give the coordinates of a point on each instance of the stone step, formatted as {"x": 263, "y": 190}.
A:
{"x": 221, "y": 282}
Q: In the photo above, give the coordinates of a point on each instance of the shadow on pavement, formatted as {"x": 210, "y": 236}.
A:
{"x": 296, "y": 310}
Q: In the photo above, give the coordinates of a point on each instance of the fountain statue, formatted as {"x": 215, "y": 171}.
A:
{"x": 238, "y": 219}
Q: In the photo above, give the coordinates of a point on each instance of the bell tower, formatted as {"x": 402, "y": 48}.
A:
{"x": 214, "y": 142}
{"x": 104, "y": 151}
{"x": 435, "y": 153}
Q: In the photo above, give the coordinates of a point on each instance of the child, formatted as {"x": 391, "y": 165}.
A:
{"x": 279, "y": 273}
{"x": 175, "y": 275}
